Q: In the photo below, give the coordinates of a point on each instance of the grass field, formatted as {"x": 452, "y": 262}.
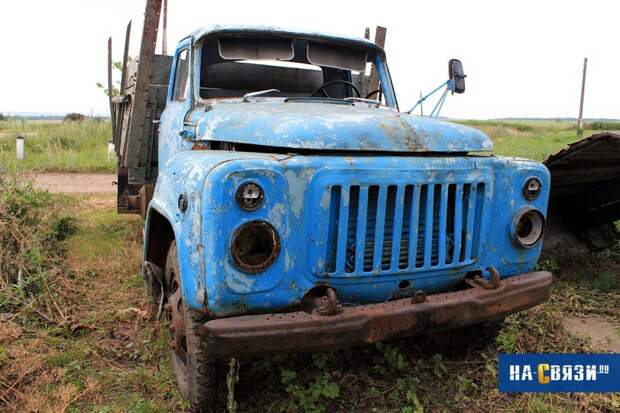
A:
{"x": 530, "y": 139}
{"x": 82, "y": 146}
{"x": 57, "y": 146}
{"x": 75, "y": 337}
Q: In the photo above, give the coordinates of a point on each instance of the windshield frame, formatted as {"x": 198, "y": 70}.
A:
{"x": 379, "y": 59}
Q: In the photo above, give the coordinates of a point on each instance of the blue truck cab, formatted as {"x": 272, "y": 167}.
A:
{"x": 291, "y": 206}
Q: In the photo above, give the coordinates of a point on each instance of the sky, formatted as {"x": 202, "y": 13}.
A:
{"x": 522, "y": 58}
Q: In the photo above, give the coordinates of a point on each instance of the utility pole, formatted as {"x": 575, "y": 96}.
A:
{"x": 164, "y": 33}
{"x": 583, "y": 89}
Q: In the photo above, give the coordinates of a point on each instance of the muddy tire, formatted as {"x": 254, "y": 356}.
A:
{"x": 469, "y": 337}
{"x": 198, "y": 376}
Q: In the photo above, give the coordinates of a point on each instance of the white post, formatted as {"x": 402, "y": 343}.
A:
{"x": 111, "y": 150}
{"x": 19, "y": 148}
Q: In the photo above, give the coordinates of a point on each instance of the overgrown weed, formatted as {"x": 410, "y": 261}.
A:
{"x": 57, "y": 146}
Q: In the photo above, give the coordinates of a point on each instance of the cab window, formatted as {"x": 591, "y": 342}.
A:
{"x": 179, "y": 92}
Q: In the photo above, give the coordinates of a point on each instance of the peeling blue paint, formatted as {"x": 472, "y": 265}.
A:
{"x": 323, "y": 126}
{"x": 215, "y": 175}
{"x": 379, "y": 148}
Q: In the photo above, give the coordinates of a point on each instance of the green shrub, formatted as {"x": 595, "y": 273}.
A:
{"x": 30, "y": 230}
{"x": 74, "y": 117}
{"x": 602, "y": 125}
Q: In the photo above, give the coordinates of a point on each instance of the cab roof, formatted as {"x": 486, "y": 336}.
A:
{"x": 245, "y": 29}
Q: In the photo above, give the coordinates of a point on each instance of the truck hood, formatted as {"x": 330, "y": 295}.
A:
{"x": 330, "y": 126}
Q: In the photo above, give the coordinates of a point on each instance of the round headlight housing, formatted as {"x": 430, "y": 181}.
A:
{"x": 528, "y": 228}
{"x": 249, "y": 196}
{"x": 254, "y": 246}
{"x": 532, "y": 189}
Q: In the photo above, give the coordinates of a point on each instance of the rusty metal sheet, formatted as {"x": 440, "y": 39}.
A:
{"x": 302, "y": 331}
{"x": 585, "y": 182}
{"x": 593, "y": 159}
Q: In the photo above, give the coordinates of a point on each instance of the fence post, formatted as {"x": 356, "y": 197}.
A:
{"x": 19, "y": 148}
{"x": 111, "y": 150}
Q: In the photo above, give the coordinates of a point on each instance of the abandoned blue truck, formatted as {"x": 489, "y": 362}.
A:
{"x": 290, "y": 206}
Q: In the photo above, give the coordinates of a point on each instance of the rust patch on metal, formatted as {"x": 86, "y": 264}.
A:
{"x": 302, "y": 331}
{"x": 418, "y": 297}
{"x": 200, "y": 146}
{"x": 478, "y": 281}
{"x": 145, "y": 194}
{"x": 255, "y": 245}
{"x": 322, "y": 300}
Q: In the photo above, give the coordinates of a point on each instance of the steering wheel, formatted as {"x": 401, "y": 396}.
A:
{"x": 332, "y": 82}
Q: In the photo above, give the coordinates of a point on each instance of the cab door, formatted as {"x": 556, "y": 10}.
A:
{"x": 176, "y": 133}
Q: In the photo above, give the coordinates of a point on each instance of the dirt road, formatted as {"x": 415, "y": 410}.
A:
{"x": 75, "y": 183}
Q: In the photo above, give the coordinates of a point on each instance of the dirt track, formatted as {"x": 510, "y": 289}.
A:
{"x": 74, "y": 183}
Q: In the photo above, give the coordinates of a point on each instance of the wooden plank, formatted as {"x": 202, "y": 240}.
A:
{"x": 139, "y": 116}
{"x": 164, "y": 36}
{"x": 110, "y": 85}
{"x": 125, "y": 59}
{"x": 373, "y": 83}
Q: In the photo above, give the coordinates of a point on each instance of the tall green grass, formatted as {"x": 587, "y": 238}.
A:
{"x": 57, "y": 146}
{"x": 603, "y": 125}
{"x": 530, "y": 139}
{"x": 82, "y": 146}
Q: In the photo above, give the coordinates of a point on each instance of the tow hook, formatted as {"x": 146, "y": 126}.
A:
{"x": 418, "y": 297}
{"x": 478, "y": 281}
{"x": 328, "y": 304}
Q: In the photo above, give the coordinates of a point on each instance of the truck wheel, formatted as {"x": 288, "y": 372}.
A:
{"x": 462, "y": 338}
{"x": 197, "y": 374}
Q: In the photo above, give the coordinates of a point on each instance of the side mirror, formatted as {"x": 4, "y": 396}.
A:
{"x": 456, "y": 75}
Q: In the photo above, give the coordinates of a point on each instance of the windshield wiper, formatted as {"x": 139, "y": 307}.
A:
{"x": 247, "y": 96}
{"x": 369, "y": 101}
{"x": 318, "y": 99}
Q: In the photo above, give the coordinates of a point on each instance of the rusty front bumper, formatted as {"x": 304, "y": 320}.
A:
{"x": 300, "y": 331}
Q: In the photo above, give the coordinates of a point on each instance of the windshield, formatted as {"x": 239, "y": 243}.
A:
{"x": 232, "y": 66}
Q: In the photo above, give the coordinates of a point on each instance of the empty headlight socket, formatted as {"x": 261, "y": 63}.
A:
{"x": 528, "y": 227}
{"x": 254, "y": 246}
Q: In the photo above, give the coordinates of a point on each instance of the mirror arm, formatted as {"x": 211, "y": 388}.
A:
{"x": 451, "y": 85}
{"x": 439, "y": 104}
{"x": 422, "y": 99}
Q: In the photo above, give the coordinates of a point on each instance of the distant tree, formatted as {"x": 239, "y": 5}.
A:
{"x": 73, "y": 117}
{"x": 117, "y": 67}
{"x": 2, "y": 117}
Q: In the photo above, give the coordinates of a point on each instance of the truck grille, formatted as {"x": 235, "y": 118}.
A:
{"x": 387, "y": 229}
